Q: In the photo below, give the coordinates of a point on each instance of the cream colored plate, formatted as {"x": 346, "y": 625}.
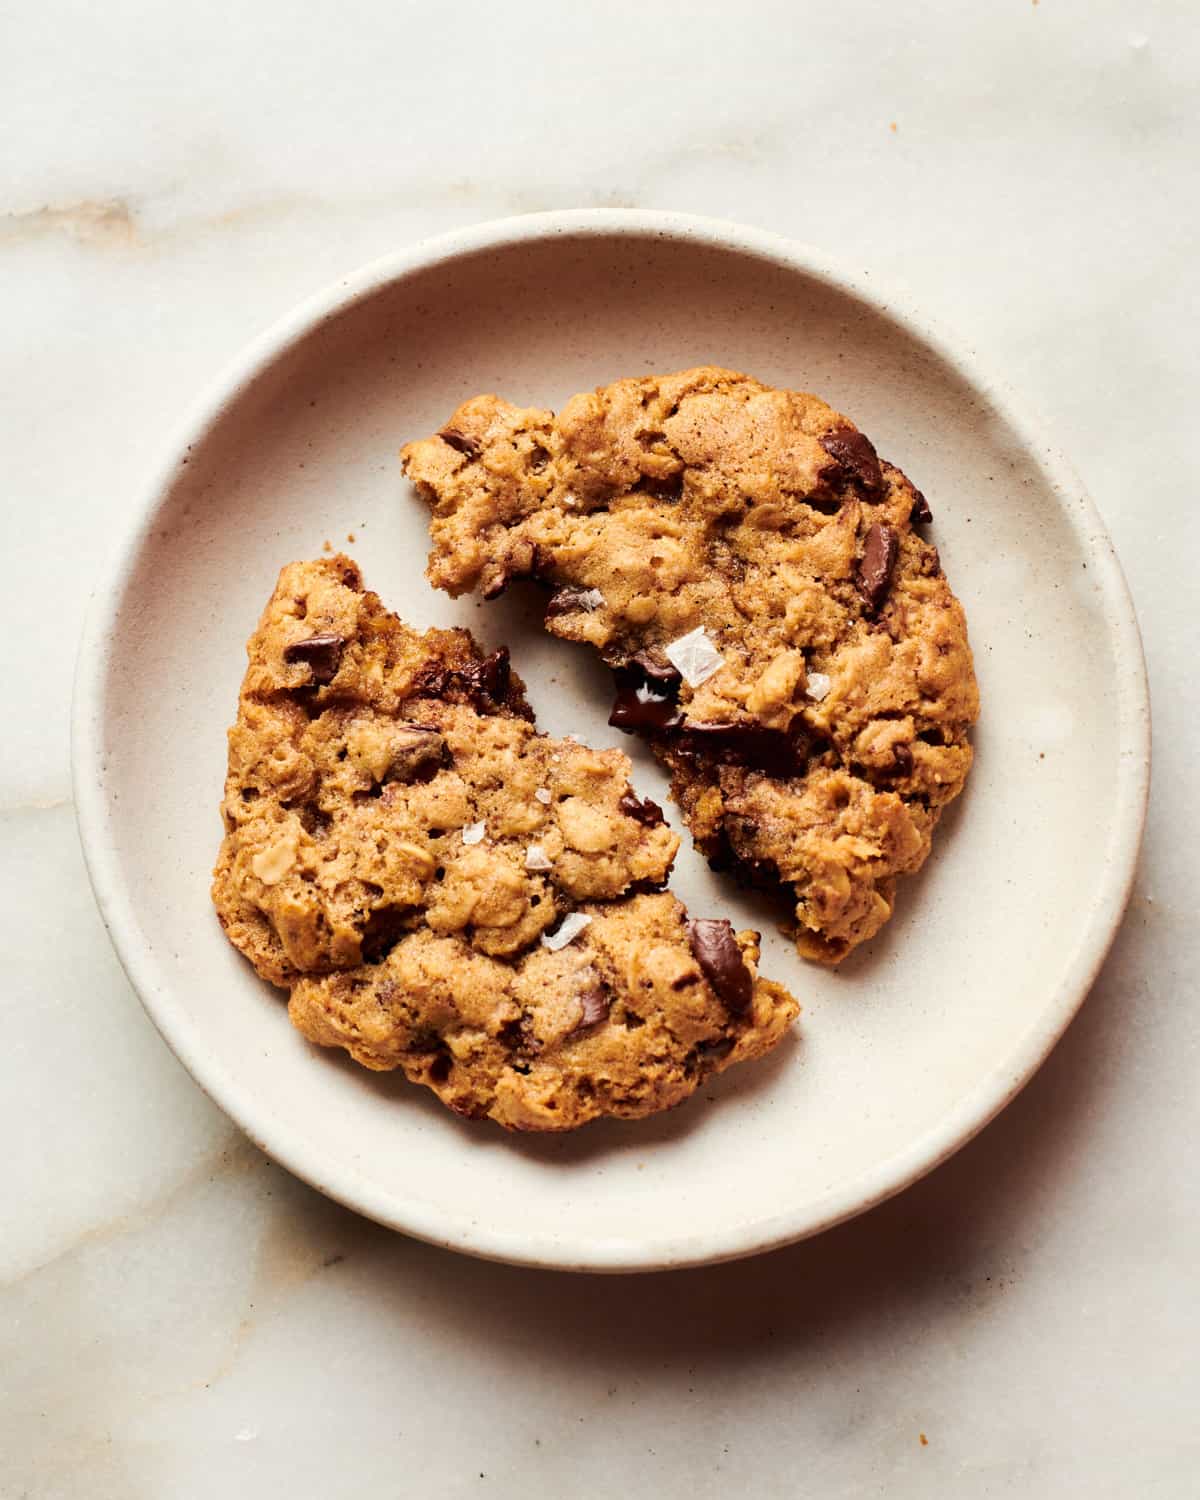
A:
{"x": 921, "y": 1037}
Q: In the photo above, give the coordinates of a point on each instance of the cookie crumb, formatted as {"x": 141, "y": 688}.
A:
{"x": 473, "y": 833}
{"x": 326, "y": 545}
{"x": 569, "y": 929}
{"x": 924, "y": 1439}
{"x": 350, "y": 537}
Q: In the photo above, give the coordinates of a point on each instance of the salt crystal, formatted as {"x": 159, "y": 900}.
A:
{"x": 570, "y": 928}
{"x": 818, "y": 686}
{"x": 570, "y": 501}
{"x": 536, "y": 859}
{"x": 542, "y": 793}
{"x": 473, "y": 833}
{"x": 590, "y": 599}
{"x": 694, "y": 657}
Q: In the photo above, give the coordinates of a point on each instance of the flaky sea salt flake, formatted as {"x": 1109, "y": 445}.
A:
{"x": 542, "y": 793}
{"x": 473, "y": 833}
{"x": 818, "y": 686}
{"x": 569, "y": 929}
{"x": 694, "y": 657}
{"x": 536, "y": 858}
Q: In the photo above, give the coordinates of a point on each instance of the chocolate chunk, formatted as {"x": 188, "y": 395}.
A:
{"x": 491, "y": 677}
{"x": 655, "y": 671}
{"x": 721, "y": 961}
{"x": 433, "y": 681}
{"x": 631, "y": 712}
{"x": 322, "y": 654}
{"x": 417, "y": 753}
{"x": 641, "y": 808}
{"x": 486, "y": 683}
{"x": 854, "y": 454}
{"x": 470, "y": 447}
{"x": 880, "y": 549}
{"x": 903, "y": 756}
{"x": 920, "y": 514}
{"x": 596, "y": 1003}
{"x": 778, "y": 752}
{"x": 647, "y": 688}
{"x": 566, "y": 601}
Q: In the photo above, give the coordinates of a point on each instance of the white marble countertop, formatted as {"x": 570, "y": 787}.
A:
{"x": 178, "y": 1317}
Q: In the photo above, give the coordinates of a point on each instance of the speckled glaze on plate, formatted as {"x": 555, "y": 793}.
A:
{"x": 901, "y": 1055}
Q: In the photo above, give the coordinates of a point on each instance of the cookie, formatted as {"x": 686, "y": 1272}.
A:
{"x": 447, "y": 891}
{"x": 779, "y": 629}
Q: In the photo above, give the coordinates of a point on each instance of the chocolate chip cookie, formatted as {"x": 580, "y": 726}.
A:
{"x": 449, "y": 892}
{"x": 779, "y": 628}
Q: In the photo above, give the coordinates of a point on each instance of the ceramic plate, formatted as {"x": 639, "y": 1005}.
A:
{"x": 901, "y": 1055}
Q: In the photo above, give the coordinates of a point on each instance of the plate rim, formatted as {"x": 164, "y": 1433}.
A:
{"x": 991, "y": 1093}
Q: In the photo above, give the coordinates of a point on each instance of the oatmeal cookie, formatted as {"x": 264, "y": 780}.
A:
{"x": 779, "y": 629}
{"x": 447, "y": 891}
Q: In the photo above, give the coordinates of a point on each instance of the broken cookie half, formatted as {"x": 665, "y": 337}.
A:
{"x": 446, "y": 891}
{"x": 779, "y": 630}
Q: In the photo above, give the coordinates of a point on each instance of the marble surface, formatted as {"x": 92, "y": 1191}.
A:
{"x": 180, "y": 1318}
